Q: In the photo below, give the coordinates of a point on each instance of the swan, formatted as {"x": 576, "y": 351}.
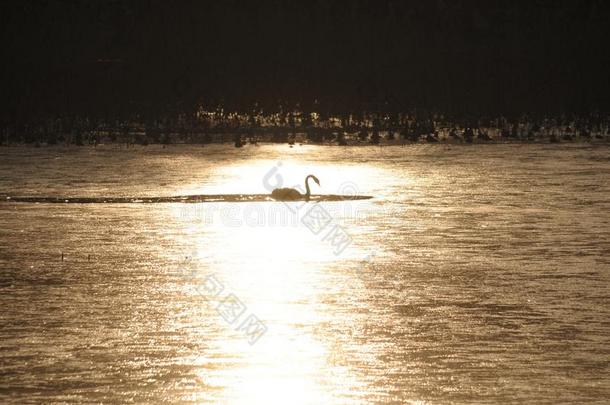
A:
{"x": 291, "y": 194}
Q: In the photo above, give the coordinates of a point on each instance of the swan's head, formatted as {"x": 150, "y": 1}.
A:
{"x": 314, "y": 179}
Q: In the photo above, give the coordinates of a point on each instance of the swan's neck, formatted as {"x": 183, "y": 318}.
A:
{"x": 307, "y": 190}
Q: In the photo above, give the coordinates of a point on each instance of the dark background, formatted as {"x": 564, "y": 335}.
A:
{"x": 115, "y": 58}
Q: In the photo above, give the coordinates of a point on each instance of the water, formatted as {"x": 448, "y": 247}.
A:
{"x": 476, "y": 274}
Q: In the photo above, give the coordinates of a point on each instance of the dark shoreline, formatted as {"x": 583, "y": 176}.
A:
{"x": 298, "y": 126}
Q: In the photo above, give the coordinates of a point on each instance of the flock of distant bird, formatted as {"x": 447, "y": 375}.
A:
{"x": 470, "y": 135}
{"x": 448, "y": 135}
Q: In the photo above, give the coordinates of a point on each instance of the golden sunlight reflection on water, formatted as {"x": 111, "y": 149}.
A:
{"x": 276, "y": 270}
{"x": 486, "y": 279}
{"x": 264, "y": 254}
{"x": 259, "y": 176}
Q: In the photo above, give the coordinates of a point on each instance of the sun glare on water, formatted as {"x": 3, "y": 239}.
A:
{"x": 266, "y": 255}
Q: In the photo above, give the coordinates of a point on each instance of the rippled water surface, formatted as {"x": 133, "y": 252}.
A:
{"x": 475, "y": 274}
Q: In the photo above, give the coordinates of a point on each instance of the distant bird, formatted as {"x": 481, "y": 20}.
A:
{"x": 291, "y": 194}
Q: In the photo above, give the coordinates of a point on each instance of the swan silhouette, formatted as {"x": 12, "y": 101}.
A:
{"x": 291, "y": 194}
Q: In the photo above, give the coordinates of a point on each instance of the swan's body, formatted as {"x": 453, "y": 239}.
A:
{"x": 291, "y": 194}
